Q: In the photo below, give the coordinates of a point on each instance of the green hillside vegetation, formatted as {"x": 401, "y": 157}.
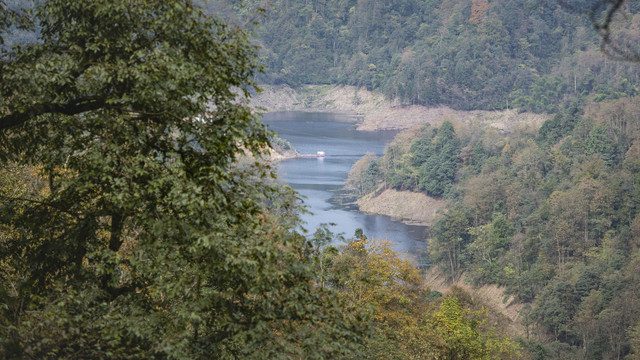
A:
{"x": 134, "y": 226}
{"x": 475, "y": 54}
{"x": 128, "y": 227}
{"x": 467, "y": 54}
{"x": 408, "y": 321}
{"x": 427, "y": 161}
{"x": 552, "y": 215}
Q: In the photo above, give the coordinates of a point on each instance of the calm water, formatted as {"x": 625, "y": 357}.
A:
{"x": 320, "y": 179}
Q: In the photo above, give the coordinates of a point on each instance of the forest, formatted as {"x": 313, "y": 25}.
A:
{"x": 138, "y": 221}
{"x": 552, "y": 215}
{"x": 479, "y": 54}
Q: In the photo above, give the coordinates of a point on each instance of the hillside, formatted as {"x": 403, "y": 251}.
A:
{"x": 551, "y": 215}
{"x": 467, "y": 55}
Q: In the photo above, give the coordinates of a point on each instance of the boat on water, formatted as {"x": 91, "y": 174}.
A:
{"x": 318, "y": 154}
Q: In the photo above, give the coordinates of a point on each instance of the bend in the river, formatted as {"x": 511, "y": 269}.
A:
{"x": 320, "y": 179}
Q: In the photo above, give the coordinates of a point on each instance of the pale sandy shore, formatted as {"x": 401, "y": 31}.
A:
{"x": 373, "y": 112}
{"x": 410, "y": 207}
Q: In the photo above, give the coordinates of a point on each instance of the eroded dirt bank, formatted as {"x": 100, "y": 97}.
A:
{"x": 373, "y": 112}
{"x": 410, "y": 207}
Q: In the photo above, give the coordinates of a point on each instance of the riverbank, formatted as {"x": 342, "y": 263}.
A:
{"x": 372, "y": 111}
{"x": 412, "y": 208}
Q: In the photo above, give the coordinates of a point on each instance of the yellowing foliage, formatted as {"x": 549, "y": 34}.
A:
{"x": 377, "y": 275}
{"x": 407, "y": 321}
{"x": 478, "y": 9}
{"x": 461, "y": 336}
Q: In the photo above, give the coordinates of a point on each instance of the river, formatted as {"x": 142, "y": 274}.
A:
{"x": 320, "y": 179}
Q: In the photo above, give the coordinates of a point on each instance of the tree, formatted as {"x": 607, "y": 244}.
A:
{"x": 556, "y": 307}
{"x": 460, "y": 335}
{"x": 371, "y": 275}
{"x": 438, "y": 171}
{"x": 143, "y": 236}
{"x": 600, "y": 143}
{"x": 491, "y": 241}
{"x": 450, "y": 240}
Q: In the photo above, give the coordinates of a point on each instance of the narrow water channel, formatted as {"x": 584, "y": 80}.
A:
{"x": 320, "y": 179}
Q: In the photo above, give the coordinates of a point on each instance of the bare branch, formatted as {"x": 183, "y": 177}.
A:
{"x": 602, "y": 23}
{"x": 73, "y": 108}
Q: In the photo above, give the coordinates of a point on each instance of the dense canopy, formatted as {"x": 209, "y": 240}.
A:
{"x": 477, "y": 54}
{"x": 128, "y": 226}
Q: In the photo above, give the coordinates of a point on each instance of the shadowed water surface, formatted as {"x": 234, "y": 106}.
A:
{"x": 320, "y": 179}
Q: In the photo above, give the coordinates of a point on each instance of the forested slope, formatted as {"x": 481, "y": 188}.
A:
{"x": 133, "y": 226}
{"x": 465, "y": 54}
{"x": 553, "y": 215}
